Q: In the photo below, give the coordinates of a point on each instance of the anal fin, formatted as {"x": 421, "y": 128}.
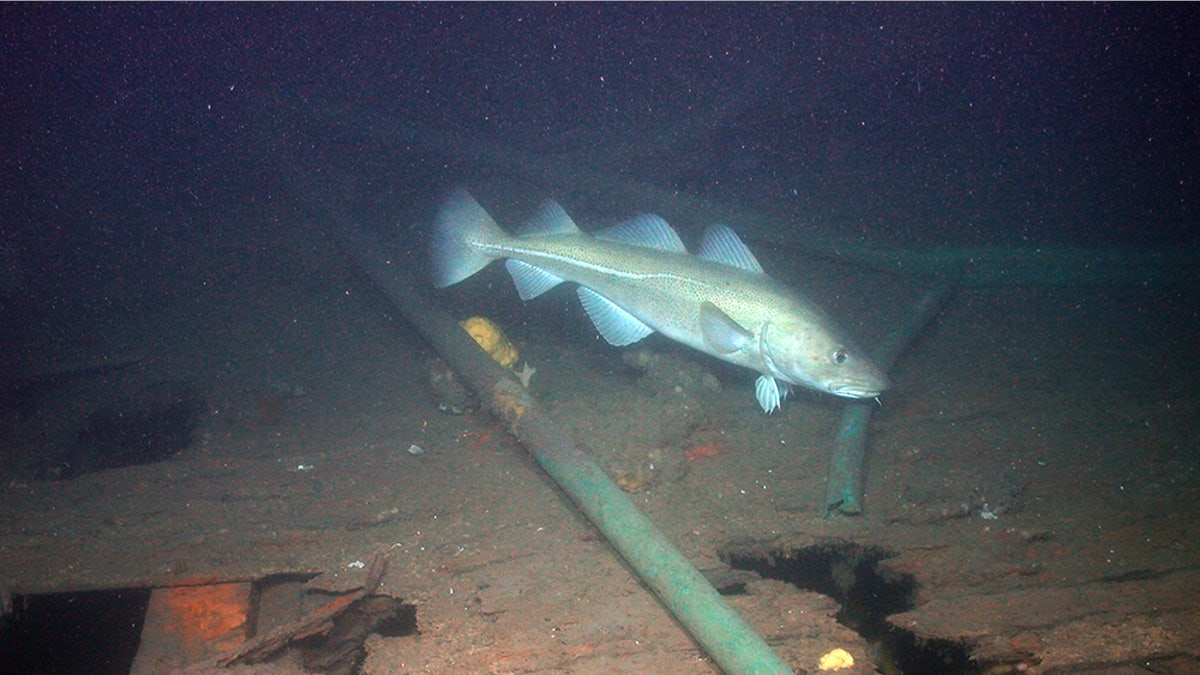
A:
{"x": 617, "y": 326}
{"x": 530, "y": 281}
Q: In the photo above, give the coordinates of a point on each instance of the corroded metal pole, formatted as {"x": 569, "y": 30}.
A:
{"x": 843, "y": 488}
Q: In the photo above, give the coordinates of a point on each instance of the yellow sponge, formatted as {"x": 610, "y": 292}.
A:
{"x": 836, "y": 660}
{"x": 491, "y": 338}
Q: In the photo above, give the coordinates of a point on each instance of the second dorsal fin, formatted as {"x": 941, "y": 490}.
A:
{"x": 647, "y": 230}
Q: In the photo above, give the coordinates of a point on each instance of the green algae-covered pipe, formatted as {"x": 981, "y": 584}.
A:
{"x": 681, "y": 588}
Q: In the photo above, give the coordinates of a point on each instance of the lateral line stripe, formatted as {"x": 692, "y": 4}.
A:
{"x": 501, "y": 249}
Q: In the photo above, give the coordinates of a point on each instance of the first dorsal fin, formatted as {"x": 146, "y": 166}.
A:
{"x": 646, "y": 230}
{"x": 551, "y": 218}
{"x": 722, "y": 245}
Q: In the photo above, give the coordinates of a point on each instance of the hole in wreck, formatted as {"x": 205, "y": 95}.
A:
{"x": 850, "y": 574}
{"x": 87, "y": 632}
{"x": 153, "y": 424}
{"x": 100, "y": 631}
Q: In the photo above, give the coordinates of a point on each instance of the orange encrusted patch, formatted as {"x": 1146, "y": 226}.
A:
{"x": 703, "y": 450}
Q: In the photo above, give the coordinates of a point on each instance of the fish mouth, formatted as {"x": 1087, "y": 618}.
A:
{"x": 856, "y": 389}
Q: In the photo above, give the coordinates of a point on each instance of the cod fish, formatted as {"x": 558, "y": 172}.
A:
{"x": 637, "y": 278}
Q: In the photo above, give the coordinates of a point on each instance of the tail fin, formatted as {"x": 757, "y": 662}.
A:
{"x": 461, "y": 226}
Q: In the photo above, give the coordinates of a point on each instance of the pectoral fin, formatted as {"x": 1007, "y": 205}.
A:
{"x": 720, "y": 331}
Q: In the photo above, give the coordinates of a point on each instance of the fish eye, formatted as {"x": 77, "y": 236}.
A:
{"x": 840, "y": 356}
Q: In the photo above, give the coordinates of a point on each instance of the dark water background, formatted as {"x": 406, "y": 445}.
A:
{"x": 921, "y": 125}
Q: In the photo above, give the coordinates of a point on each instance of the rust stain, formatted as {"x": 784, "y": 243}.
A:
{"x": 206, "y": 617}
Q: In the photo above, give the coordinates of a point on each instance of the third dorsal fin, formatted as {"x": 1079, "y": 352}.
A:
{"x": 551, "y": 218}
